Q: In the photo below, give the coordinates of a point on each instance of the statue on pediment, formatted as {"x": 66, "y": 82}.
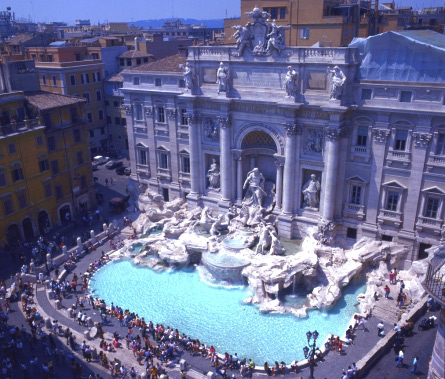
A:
{"x": 188, "y": 75}
{"x": 243, "y": 37}
{"x": 338, "y": 80}
{"x": 290, "y": 82}
{"x": 277, "y": 38}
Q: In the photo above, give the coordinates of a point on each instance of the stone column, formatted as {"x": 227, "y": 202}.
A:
{"x": 194, "y": 153}
{"x": 279, "y": 184}
{"x": 330, "y": 182}
{"x": 239, "y": 176}
{"x": 252, "y": 161}
{"x": 289, "y": 168}
{"x": 226, "y": 159}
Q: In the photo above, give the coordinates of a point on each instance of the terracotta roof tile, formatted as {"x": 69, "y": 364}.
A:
{"x": 116, "y": 77}
{"x": 168, "y": 64}
{"x": 135, "y": 54}
{"x": 18, "y": 39}
{"x": 47, "y": 100}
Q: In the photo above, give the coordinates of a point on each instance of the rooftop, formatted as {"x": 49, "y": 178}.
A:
{"x": 116, "y": 77}
{"x": 168, "y": 64}
{"x": 47, "y": 100}
{"x": 20, "y": 38}
{"x": 135, "y": 54}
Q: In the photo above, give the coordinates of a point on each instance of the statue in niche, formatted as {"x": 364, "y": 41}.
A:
{"x": 314, "y": 142}
{"x": 221, "y": 78}
{"x": 310, "y": 192}
{"x": 213, "y": 174}
{"x": 243, "y": 37}
{"x": 290, "y": 82}
{"x": 211, "y": 130}
{"x": 277, "y": 39}
{"x": 255, "y": 180}
{"x": 188, "y": 75}
{"x": 338, "y": 80}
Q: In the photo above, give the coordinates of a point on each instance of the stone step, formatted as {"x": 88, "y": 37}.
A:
{"x": 393, "y": 310}
{"x": 385, "y": 316}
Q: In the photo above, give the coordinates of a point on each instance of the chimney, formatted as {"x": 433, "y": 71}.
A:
{"x": 136, "y": 45}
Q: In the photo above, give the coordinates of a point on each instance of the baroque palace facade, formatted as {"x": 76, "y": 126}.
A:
{"x": 351, "y": 140}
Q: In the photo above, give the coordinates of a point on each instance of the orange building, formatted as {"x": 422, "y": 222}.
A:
{"x": 45, "y": 171}
{"x": 76, "y": 71}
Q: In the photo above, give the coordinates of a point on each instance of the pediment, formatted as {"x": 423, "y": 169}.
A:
{"x": 435, "y": 190}
{"x": 394, "y": 184}
{"x": 356, "y": 178}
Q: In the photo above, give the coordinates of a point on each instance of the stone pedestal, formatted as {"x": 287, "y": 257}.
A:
{"x": 93, "y": 236}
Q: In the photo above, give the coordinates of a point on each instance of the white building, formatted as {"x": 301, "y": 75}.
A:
{"x": 378, "y": 151}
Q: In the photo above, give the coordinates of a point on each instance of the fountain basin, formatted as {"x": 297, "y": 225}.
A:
{"x": 239, "y": 240}
{"x": 225, "y": 267}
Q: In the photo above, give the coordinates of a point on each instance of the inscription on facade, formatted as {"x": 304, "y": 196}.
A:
{"x": 258, "y": 78}
{"x": 316, "y": 80}
{"x": 209, "y": 75}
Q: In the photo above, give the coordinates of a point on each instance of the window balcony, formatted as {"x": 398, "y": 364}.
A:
{"x": 429, "y": 224}
{"x": 435, "y": 161}
{"x": 143, "y": 169}
{"x": 390, "y": 217}
{"x": 399, "y": 156}
{"x": 164, "y": 173}
{"x": 354, "y": 210}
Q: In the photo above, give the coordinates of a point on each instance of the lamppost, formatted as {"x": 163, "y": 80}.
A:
{"x": 309, "y": 351}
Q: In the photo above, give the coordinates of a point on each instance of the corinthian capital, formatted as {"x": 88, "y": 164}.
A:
{"x": 192, "y": 118}
{"x": 332, "y": 134}
{"x": 224, "y": 122}
{"x": 292, "y": 129}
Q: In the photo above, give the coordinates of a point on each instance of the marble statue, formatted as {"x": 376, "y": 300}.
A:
{"x": 290, "y": 82}
{"x": 277, "y": 40}
{"x": 188, "y": 75}
{"x": 255, "y": 180}
{"x": 265, "y": 239}
{"x": 219, "y": 225}
{"x": 221, "y": 78}
{"x": 243, "y": 37}
{"x": 275, "y": 248}
{"x": 338, "y": 80}
{"x": 310, "y": 192}
{"x": 213, "y": 174}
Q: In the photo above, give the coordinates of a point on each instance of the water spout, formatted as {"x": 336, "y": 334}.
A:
{"x": 294, "y": 285}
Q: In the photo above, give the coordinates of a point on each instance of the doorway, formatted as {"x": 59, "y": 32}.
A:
{"x": 28, "y": 231}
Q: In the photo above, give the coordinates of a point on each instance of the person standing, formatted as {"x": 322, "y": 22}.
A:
{"x": 402, "y": 286}
{"x": 400, "y": 358}
{"x": 391, "y": 278}
{"x": 387, "y": 291}
{"x": 415, "y": 364}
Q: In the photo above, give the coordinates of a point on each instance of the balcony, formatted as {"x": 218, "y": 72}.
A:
{"x": 20, "y": 127}
{"x": 164, "y": 173}
{"x": 354, "y": 210}
{"x": 390, "y": 217}
{"x": 398, "y": 156}
{"x": 430, "y": 224}
{"x": 435, "y": 161}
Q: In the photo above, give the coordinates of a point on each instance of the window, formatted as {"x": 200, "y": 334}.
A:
{"x": 440, "y": 146}
{"x": 39, "y": 140}
{"x": 405, "y": 96}
{"x": 107, "y": 103}
{"x": 143, "y": 157}
{"x": 17, "y": 173}
{"x": 362, "y": 135}
{"x": 98, "y": 96}
{"x": 44, "y": 79}
{"x": 20, "y": 112}
{"x": 139, "y": 114}
{"x": 83, "y": 181}
{"x": 128, "y": 62}
{"x": 86, "y": 95}
{"x": 74, "y": 117}
{"x": 11, "y": 148}
{"x": 100, "y": 114}
{"x": 55, "y": 167}
{"x": 47, "y": 120}
{"x": 7, "y": 207}
{"x": 51, "y": 142}
{"x": 79, "y": 156}
{"x": 274, "y": 13}
{"x": 47, "y": 189}
{"x": 138, "y": 61}
{"x": 161, "y": 114}
{"x": 117, "y": 120}
{"x": 366, "y": 93}
{"x": 116, "y": 104}
{"x": 102, "y": 130}
{"x": 400, "y": 140}
{"x": 3, "y": 181}
{"x": 54, "y": 80}
{"x": 59, "y": 192}
{"x": 108, "y": 119}
{"x": 158, "y": 82}
{"x": 304, "y": 33}
{"x": 77, "y": 135}
{"x": 22, "y": 200}
{"x": 123, "y": 121}
{"x": 121, "y": 62}
{"x": 96, "y": 76}
{"x": 91, "y": 133}
{"x": 85, "y": 78}
{"x": 356, "y": 194}
{"x": 392, "y": 199}
{"x": 282, "y": 13}
{"x": 90, "y": 117}
{"x": 43, "y": 165}
{"x": 184, "y": 119}
{"x": 351, "y": 233}
{"x": 73, "y": 80}
{"x": 136, "y": 81}
{"x": 386, "y": 238}
{"x": 432, "y": 207}
{"x": 163, "y": 160}
{"x": 186, "y": 164}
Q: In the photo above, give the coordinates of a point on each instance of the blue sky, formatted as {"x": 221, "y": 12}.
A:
{"x": 118, "y": 10}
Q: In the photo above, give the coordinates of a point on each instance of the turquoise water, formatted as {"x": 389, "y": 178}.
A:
{"x": 136, "y": 247}
{"x": 216, "y": 315}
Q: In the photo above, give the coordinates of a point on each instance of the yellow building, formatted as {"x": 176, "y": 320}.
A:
{"x": 45, "y": 170}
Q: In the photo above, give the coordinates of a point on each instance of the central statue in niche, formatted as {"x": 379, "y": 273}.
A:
{"x": 255, "y": 182}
